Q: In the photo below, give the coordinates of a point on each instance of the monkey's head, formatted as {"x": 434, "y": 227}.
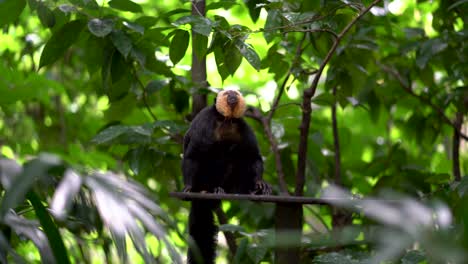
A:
{"x": 230, "y": 104}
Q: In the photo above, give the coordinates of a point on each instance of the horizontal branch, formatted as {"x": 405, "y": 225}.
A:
{"x": 273, "y": 198}
{"x": 254, "y": 198}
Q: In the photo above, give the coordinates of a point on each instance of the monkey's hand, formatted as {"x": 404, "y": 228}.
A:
{"x": 187, "y": 188}
{"x": 262, "y": 188}
{"x": 219, "y": 190}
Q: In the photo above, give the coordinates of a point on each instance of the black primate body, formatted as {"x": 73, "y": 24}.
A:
{"x": 221, "y": 154}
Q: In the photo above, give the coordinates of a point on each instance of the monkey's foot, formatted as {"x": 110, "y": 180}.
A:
{"x": 187, "y": 188}
{"x": 219, "y": 190}
{"x": 262, "y": 187}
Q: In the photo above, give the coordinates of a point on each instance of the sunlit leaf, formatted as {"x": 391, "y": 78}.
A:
{"x": 30, "y": 229}
{"x": 100, "y": 27}
{"x": 201, "y": 25}
{"x": 65, "y": 193}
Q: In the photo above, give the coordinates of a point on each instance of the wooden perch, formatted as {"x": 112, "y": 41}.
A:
{"x": 256, "y": 198}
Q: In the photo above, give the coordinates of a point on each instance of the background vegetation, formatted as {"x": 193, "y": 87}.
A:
{"x": 95, "y": 97}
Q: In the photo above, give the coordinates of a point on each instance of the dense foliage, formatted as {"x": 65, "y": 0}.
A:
{"x": 95, "y": 97}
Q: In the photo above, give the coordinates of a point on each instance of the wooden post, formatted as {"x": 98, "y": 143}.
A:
{"x": 288, "y": 227}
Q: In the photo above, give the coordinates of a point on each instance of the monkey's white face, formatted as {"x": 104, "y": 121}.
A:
{"x": 230, "y": 103}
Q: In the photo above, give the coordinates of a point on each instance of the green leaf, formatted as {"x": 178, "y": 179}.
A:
{"x": 146, "y": 21}
{"x": 122, "y": 42}
{"x": 241, "y": 251}
{"x": 180, "y": 99}
{"x": 200, "y": 44}
{"x": 135, "y": 27}
{"x": 10, "y": 10}
{"x": 46, "y": 16}
{"x": 219, "y": 58}
{"x": 126, "y": 5}
{"x": 254, "y": 9}
{"x": 201, "y": 25}
{"x": 155, "y": 85}
{"x": 100, "y": 27}
{"x": 273, "y": 21}
{"x": 256, "y": 252}
{"x": 325, "y": 99}
{"x": 179, "y": 45}
{"x": 232, "y": 58}
{"x": 33, "y": 4}
{"x": 120, "y": 134}
{"x": 226, "y": 4}
{"x": 413, "y": 257}
{"x": 60, "y": 42}
{"x": 50, "y": 229}
{"x": 249, "y": 54}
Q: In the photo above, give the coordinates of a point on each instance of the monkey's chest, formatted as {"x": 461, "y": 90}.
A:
{"x": 227, "y": 132}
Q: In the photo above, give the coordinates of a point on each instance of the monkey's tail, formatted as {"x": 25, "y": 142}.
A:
{"x": 202, "y": 230}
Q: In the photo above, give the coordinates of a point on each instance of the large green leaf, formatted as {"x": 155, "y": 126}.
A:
{"x": 46, "y": 16}
{"x": 60, "y": 42}
{"x": 232, "y": 58}
{"x": 50, "y": 229}
{"x": 248, "y": 53}
{"x": 10, "y": 10}
{"x": 126, "y": 5}
{"x": 122, "y": 42}
{"x": 179, "y": 45}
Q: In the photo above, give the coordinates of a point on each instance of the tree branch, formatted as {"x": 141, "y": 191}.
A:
{"x": 145, "y": 102}
{"x": 230, "y": 239}
{"x": 407, "y": 87}
{"x": 256, "y": 114}
{"x": 313, "y": 31}
{"x": 307, "y": 108}
{"x": 198, "y": 65}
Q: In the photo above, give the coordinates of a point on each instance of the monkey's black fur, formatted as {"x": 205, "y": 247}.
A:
{"x": 220, "y": 155}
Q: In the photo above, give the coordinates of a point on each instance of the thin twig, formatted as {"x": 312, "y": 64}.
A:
{"x": 230, "y": 238}
{"x": 196, "y": 9}
{"x": 142, "y": 86}
{"x": 407, "y": 87}
{"x": 336, "y": 142}
{"x": 307, "y": 108}
{"x": 456, "y": 146}
{"x": 256, "y": 114}
{"x": 313, "y": 31}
